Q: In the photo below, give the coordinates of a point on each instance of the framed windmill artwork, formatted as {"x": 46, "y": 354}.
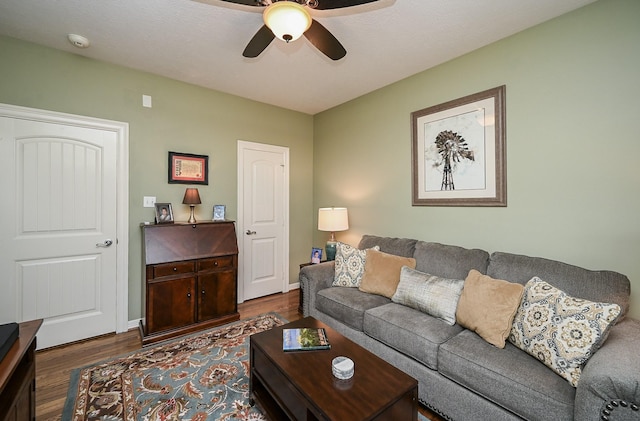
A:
{"x": 458, "y": 152}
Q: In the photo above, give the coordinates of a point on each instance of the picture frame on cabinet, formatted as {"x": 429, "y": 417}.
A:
{"x": 219, "y": 212}
{"x": 164, "y": 213}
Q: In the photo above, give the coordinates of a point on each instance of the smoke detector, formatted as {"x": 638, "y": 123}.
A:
{"x": 78, "y": 40}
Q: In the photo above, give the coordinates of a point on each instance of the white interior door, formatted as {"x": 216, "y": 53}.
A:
{"x": 263, "y": 203}
{"x": 58, "y": 234}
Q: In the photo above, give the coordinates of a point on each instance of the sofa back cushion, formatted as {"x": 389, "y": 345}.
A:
{"x": 447, "y": 261}
{"x": 399, "y": 246}
{"x": 601, "y": 285}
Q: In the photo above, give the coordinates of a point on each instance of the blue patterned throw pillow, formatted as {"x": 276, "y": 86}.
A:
{"x": 349, "y": 265}
{"x": 560, "y": 330}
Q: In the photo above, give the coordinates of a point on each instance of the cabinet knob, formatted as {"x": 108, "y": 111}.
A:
{"x": 175, "y": 269}
{"x": 203, "y": 292}
{"x": 189, "y": 294}
{"x": 215, "y": 263}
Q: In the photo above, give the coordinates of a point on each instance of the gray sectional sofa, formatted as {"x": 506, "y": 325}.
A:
{"x": 462, "y": 377}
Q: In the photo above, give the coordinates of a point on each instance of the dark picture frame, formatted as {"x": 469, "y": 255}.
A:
{"x": 164, "y": 213}
{"x": 458, "y": 153}
{"x": 187, "y": 168}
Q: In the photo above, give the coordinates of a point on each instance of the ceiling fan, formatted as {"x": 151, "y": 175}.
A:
{"x": 290, "y": 19}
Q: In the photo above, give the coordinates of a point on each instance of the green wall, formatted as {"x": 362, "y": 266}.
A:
{"x": 573, "y": 142}
{"x": 184, "y": 118}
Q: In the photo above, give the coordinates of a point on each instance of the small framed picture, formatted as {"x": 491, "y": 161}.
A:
{"x": 219, "y": 212}
{"x": 316, "y": 255}
{"x": 164, "y": 213}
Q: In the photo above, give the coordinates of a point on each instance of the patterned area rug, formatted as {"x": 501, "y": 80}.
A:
{"x": 199, "y": 377}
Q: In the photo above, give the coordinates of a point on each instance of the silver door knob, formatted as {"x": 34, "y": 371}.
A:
{"x": 106, "y": 243}
{"x": 251, "y": 232}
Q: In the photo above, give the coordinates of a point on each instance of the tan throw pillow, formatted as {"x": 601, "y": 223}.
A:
{"x": 487, "y": 306}
{"x": 382, "y": 272}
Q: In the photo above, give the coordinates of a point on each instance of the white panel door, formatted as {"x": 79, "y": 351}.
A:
{"x": 58, "y": 230}
{"x": 263, "y": 219}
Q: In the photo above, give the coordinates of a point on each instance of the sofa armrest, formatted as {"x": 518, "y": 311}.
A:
{"x": 314, "y": 278}
{"x": 610, "y": 380}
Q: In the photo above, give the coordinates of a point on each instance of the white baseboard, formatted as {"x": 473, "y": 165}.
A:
{"x": 133, "y": 324}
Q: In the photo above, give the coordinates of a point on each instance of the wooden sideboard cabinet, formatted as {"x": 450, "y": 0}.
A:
{"x": 190, "y": 278}
{"x": 18, "y": 376}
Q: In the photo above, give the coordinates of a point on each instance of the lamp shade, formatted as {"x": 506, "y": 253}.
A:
{"x": 191, "y": 197}
{"x": 333, "y": 219}
{"x": 287, "y": 20}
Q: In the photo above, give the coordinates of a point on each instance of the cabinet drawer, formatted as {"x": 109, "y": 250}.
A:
{"x": 175, "y": 268}
{"x": 215, "y": 263}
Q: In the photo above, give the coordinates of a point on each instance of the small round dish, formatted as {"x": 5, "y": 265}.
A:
{"x": 342, "y": 368}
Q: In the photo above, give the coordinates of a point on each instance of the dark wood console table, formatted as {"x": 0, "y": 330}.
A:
{"x": 190, "y": 278}
{"x": 18, "y": 376}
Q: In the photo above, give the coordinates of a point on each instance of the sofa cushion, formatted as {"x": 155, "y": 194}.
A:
{"x": 382, "y": 272}
{"x": 601, "y": 285}
{"x": 487, "y": 306}
{"x": 349, "y": 265}
{"x": 447, "y": 261}
{"x": 398, "y": 246}
{"x": 509, "y": 377}
{"x": 560, "y": 330}
{"x": 429, "y": 294}
{"x": 348, "y": 304}
{"x": 411, "y": 332}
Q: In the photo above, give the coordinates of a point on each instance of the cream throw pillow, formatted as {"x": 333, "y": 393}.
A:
{"x": 438, "y": 297}
{"x": 487, "y": 306}
{"x": 560, "y": 330}
{"x": 382, "y": 272}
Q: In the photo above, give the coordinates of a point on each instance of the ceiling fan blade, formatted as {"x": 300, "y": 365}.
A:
{"x": 259, "y": 42}
{"x": 337, "y": 4}
{"x": 260, "y": 3}
{"x": 325, "y": 41}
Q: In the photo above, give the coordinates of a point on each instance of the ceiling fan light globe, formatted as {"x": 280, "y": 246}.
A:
{"x": 287, "y": 20}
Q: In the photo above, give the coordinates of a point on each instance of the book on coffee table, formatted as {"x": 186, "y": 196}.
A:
{"x": 304, "y": 339}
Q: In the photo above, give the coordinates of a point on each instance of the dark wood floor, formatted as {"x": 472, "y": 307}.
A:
{"x": 54, "y": 366}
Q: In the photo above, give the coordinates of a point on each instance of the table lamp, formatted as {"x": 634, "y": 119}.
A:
{"x": 191, "y": 198}
{"x": 332, "y": 220}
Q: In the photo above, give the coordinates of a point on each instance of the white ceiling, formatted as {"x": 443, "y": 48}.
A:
{"x": 201, "y": 42}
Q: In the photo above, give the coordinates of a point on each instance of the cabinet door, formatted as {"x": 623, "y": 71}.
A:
{"x": 170, "y": 303}
{"x": 217, "y": 294}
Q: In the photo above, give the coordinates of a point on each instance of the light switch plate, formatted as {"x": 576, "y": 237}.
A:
{"x": 149, "y": 201}
{"x": 146, "y": 101}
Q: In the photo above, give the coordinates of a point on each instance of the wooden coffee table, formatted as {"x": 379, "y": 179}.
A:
{"x": 301, "y": 386}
